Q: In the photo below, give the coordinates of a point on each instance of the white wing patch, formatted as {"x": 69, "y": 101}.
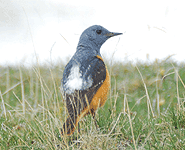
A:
{"x": 76, "y": 81}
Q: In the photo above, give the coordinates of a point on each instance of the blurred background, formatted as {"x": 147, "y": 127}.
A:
{"x": 49, "y": 30}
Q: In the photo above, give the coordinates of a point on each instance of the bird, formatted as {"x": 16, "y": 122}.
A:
{"x": 86, "y": 82}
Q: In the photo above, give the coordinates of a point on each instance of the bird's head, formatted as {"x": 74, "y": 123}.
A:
{"x": 95, "y": 36}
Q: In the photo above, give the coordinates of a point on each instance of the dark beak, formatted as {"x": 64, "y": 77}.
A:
{"x": 111, "y": 34}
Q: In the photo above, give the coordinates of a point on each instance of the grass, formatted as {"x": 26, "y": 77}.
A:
{"x": 145, "y": 109}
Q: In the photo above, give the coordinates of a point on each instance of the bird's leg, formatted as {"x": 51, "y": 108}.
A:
{"x": 95, "y": 121}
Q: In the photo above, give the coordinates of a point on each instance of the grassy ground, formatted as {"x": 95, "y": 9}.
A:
{"x": 145, "y": 109}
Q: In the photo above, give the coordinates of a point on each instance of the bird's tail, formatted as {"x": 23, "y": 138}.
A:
{"x": 71, "y": 123}
{"x": 69, "y": 126}
{"x": 75, "y": 113}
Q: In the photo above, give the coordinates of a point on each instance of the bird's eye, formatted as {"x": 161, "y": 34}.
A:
{"x": 98, "y": 31}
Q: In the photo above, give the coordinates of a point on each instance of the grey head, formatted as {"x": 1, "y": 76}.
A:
{"x": 94, "y": 37}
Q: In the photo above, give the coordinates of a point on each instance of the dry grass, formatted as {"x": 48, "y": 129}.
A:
{"x": 145, "y": 109}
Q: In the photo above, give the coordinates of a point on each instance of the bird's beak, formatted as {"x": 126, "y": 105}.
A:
{"x": 111, "y": 34}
